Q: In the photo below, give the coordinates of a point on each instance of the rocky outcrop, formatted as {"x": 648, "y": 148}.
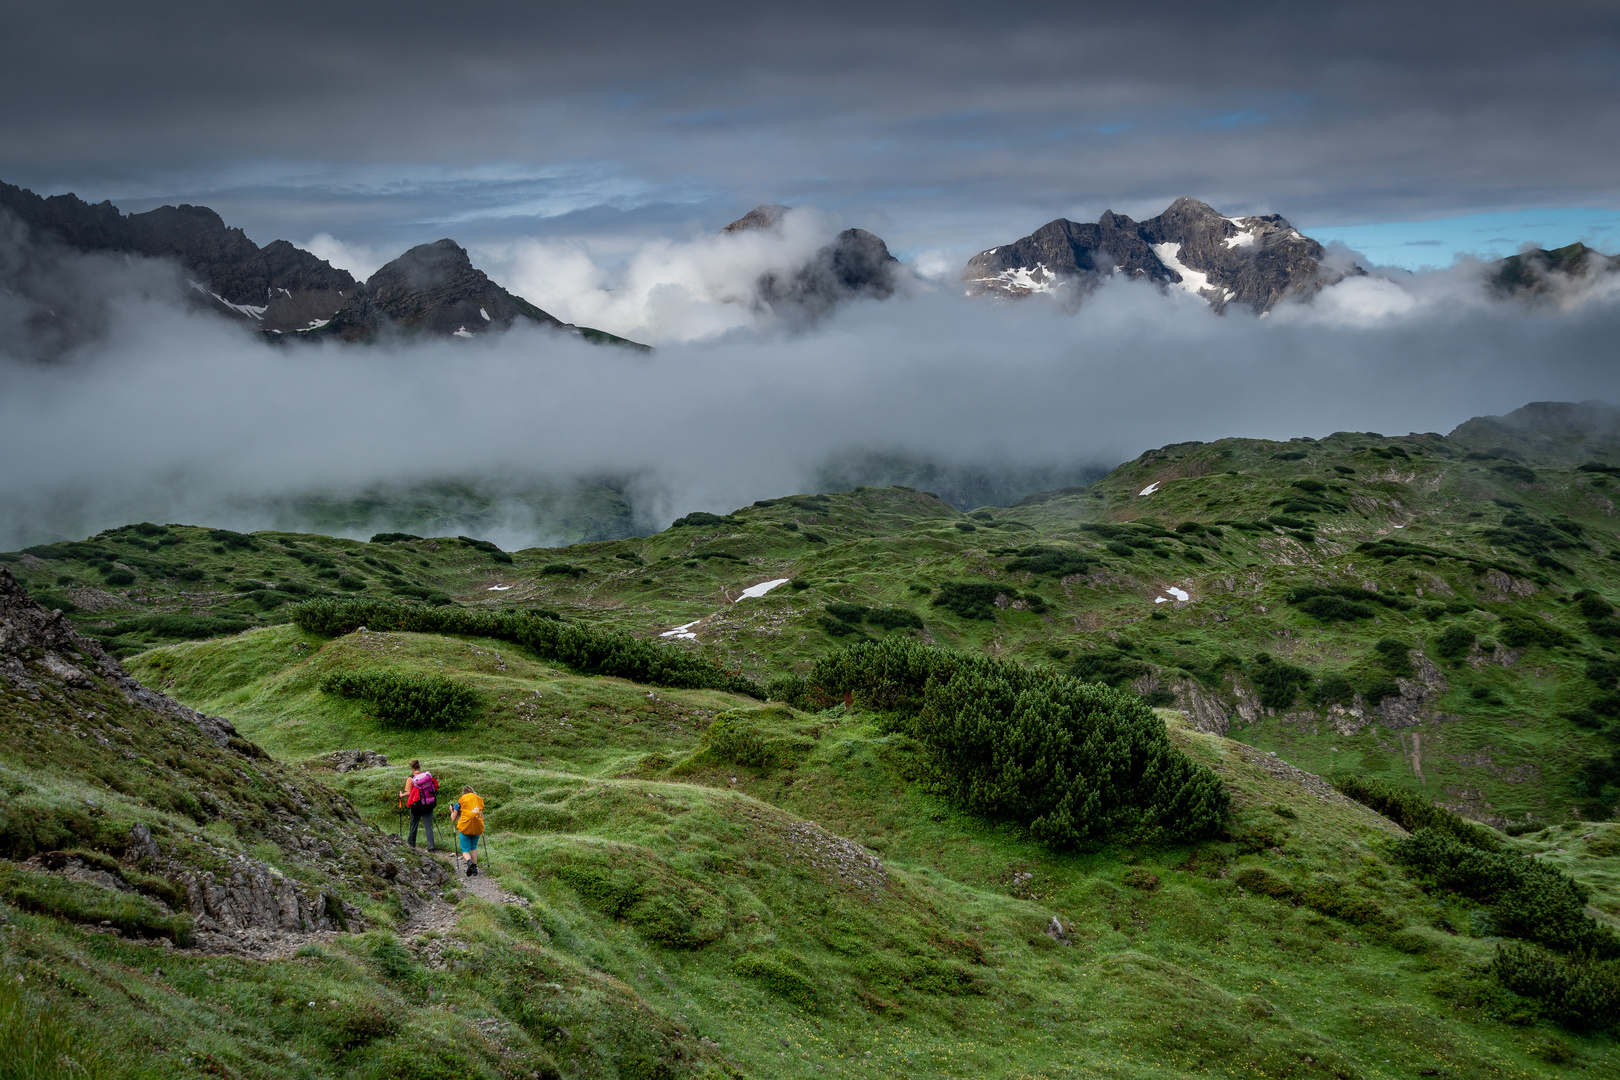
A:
{"x": 280, "y": 288}
{"x": 856, "y": 264}
{"x": 1543, "y": 273}
{"x": 68, "y": 710}
{"x": 435, "y": 289}
{"x": 1254, "y": 261}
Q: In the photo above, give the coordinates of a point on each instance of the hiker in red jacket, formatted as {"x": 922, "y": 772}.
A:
{"x": 420, "y": 794}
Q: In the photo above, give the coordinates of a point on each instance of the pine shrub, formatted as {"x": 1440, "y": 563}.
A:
{"x": 594, "y": 652}
{"x": 430, "y": 702}
{"x": 1413, "y": 812}
{"x": 1075, "y": 763}
{"x": 1579, "y": 992}
{"x": 1526, "y": 899}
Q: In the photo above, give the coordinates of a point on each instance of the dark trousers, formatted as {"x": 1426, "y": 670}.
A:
{"x": 420, "y": 814}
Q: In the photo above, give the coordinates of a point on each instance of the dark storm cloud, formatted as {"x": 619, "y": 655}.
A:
{"x": 939, "y": 123}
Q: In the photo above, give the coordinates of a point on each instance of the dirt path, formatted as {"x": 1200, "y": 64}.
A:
{"x": 440, "y": 917}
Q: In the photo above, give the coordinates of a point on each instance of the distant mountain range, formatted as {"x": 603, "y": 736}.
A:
{"x": 433, "y": 289}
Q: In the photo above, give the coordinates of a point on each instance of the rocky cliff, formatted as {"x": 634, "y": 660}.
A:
{"x": 1253, "y": 261}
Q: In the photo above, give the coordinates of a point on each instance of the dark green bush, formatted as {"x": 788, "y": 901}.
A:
{"x": 848, "y": 612}
{"x": 1526, "y": 899}
{"x": 349, "y": 581}
{"x": 393, "y": 537}
{"x": 969, "y": 599}
{"x": 1277, "y": 684}
{"x": 1520, "y": 631}
{"x": 408, "y": 700}
{"x": 1454, "y": 642}
{"x": 562, "y": 569}
{"x": 893, "y": 618}
{"x": 185, "y": 627}
{"x": 114, "y": 576}
{"x": 966, "y": 526}
{"x": 1057, "y": 562}
{"x": 1579, "y": 992}
{"x": 1334, "y": 609}
{"x": 231, "y": 539}
{"x": 698, "y": 517}
{"x": 1110, "y": 666}
{"x": 1395, "y": 656}
{"x": 1334, "y": 689}
{"x": 1074, "y": 762}
{"x": 595, "y": 652}
{"x": 1412, "y": 811}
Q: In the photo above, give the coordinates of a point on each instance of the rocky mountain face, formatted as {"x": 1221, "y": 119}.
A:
{"x": 856, "y": 264}
{"x": 1544, "y": 273}
{"x": 122, "y": 784}
{"x": 434, "y": 289}
{"x": 279, "y": 287}
{"x": 1254, "y": 261}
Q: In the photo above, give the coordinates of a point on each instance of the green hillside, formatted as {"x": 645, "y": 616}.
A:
{"x": 770, "y": 854}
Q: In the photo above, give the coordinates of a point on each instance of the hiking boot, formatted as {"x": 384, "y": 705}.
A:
{"x": 472, "y": 869}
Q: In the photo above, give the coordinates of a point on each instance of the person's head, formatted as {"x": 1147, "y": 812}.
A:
{"x": 466, "y": 789}
{"x": 416, "y": 766}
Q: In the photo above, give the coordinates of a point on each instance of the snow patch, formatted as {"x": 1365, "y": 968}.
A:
{"x": 462, "y": 331}
{"x": 1151, "y": 488}
{"x": 1180, "y": 594}
{"x": 756, "y": 591}
{"x": 1191, "y": 280}
{"x": 1026, "y": 279}
{"x": 484, "y": 313}
{"x": 241, "y": 309}
{"x": 684, "y": 632}
{"x": 497, "y": 588}
{"x": 1241, "y": 240}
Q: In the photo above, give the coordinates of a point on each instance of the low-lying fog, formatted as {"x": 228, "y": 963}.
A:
{"x": 171, "y": 414}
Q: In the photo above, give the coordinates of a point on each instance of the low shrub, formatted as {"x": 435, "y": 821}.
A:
{"x": 1454, "y": 642}
{"x": 1056, "y": 562}
{"x": 778, "y": 972}
{"x": 1394, "y": 655}
{"x": 594, "y": 652}
{"x": 699, "y": 518}
{"x": 1073, "y": 762}
{"x": 407, "y": 700}
{"x": 1579, "y": 992}
{"x": 393, "y": 537}
{"x": 1521, "y": 631}
{"x": 562, "y": 569}
{"x": 1276, "y": 683}
{"x": 1526, "y": 899}
{"x": 1110, "y": 666}
{"x": 1412, "y": 811}
{"x": 183, "y": 627}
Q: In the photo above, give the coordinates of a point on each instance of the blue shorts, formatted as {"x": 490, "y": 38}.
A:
{"x": 467, "y": 842}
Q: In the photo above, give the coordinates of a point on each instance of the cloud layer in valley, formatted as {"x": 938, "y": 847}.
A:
{"x": 175, "y": 415}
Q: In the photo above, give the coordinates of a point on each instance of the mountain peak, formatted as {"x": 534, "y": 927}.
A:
{"x": 768, "y": 216}
{"x": 1254, "y": 261}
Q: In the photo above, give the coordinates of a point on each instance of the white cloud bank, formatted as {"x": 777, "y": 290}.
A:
{"x": 177, "y": 416}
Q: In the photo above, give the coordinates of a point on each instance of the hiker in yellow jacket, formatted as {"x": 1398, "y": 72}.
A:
{"x": 467, "y": 813}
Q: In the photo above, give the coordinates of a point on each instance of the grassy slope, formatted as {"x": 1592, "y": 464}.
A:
{"x": 606, "y": 812}
{"x": 1493, "y": 742}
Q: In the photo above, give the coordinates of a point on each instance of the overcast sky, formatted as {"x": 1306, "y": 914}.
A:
{"x": 946, "y": 128}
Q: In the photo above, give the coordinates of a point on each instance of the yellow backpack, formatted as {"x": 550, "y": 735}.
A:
{"x": 471, "y": 821}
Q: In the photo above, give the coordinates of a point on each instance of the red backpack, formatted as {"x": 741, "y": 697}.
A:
{"x": 426, "y": 788}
